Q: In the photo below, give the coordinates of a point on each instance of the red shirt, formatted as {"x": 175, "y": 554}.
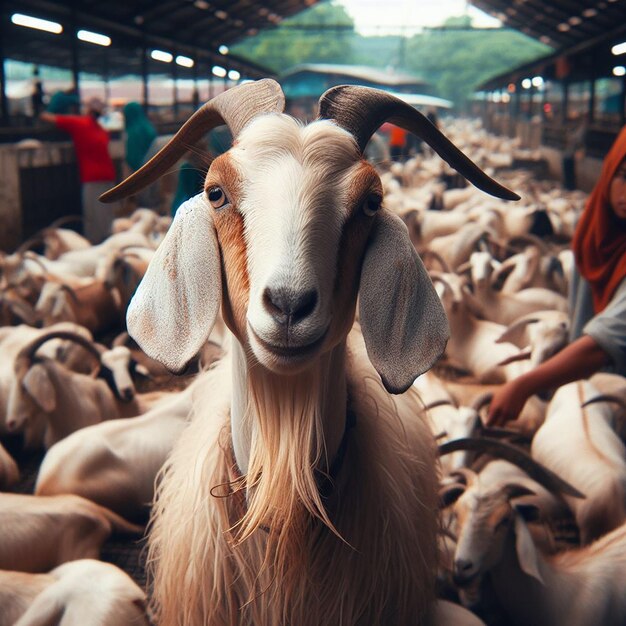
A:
{"x": 91, "y": 143}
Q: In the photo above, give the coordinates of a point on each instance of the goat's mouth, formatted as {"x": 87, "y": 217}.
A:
{"x": 289, "y": 355}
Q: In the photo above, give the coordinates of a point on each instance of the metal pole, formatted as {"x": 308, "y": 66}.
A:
{"x": 144, "y": 74}
{"x": 195, "y": 96}
{"x": 74, "y": 51}
{"x": 175, "y": 88}
{"x": 4, "y": 101}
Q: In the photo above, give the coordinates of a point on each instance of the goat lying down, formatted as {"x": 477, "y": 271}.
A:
{"x": 79, "y": 593}
{"x": 313, "y": 499}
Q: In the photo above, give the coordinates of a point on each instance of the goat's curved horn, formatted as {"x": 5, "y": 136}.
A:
{"x": 482, "y": 400}
{"x": 431, "y": 254}
{"x": 362, "y": 110}
{"x": 605, "y": 397}
{"x": 121, "y": 340}
{"x": 514, "y": 455}
{"x": 31, "y": 256}
{"x": 435, "y": 403}
{"x": 28, "y": 351}
{"x": 66, "y": 219}
{"x": 234, "y": 107}
{"x": 70, "y": 291}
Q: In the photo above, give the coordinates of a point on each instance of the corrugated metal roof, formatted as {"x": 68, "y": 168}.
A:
{"x": 194, "y": 28}
{"x": 561, "y": 23}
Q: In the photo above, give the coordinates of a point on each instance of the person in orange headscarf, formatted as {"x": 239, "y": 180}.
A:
{"x": 597, "y": 296}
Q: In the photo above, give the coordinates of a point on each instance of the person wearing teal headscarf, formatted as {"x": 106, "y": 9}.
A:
{"x": 140, "y": 133}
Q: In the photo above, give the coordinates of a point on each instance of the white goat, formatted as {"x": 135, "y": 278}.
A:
{"x": 45, "y": 389}
{"x": 289, "y": 229}
{"x": 9, "y": 472}
{"x": 115, "y": 463}
{"x": 41, "y": 532}
{"x": 505, "y": 308}
{"x": 84, "y": 592}
{"x": 580, "y": 444}
{"x": 577, "y": 587}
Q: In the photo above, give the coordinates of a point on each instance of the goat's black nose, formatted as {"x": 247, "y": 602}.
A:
{"x": 289, "y": 306}
{"x": 461, "y": 566}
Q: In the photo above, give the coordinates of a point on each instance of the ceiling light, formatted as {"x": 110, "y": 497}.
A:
{"x": 527, "y": 83}
{"x": 619, "y": 70}
{"x": 160, "y": 55}
{"x": 218, "y": 71}
{"x": 234, "y": 75}
{"x": 35, "y": 22}
{"x": 184, "y": 61}
{"x": 537, "y": 81}
{"x": 620, "y": 48}
{"x": 221, "y": 15}
{"x": 563, "y": 27}
{"x": 590, "y": 12}
{"x": 201, "y": 4}
{"x": 575, "y": 20}
{"x": 97, "y": 38}
{"x": 223, "y": 49}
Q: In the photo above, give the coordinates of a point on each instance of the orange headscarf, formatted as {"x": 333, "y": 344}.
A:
{"x": 599, "y": 242}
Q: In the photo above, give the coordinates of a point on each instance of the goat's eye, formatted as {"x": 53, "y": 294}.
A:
{"x": 372, "y": 205}
{"x": 217, "y": 197}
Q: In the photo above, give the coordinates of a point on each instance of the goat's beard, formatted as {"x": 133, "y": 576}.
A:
{"x": 287, "y": 453}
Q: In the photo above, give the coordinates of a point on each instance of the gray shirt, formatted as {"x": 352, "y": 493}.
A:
{"x": 607, "y": 328}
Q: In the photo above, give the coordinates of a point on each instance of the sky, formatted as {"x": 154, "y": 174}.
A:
{"x": 382, "y": 17}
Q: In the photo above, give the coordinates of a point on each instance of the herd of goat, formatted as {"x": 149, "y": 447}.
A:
{"x": 532, "y": 515}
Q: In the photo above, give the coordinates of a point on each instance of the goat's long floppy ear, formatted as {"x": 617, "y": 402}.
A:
{"x": 526, "y": 550}
{"x": 404, "y": 324}
{"x": 174, "y": 308}
{"x": 234, "y": 107}
{"x": 40, "y": 388}
{"x": 362, "y": 110}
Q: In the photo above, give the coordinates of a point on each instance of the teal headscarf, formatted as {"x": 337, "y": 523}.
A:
{"x": 140, "y": 133}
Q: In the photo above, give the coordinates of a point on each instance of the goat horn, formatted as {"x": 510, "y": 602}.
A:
{"x": 66, "y": 219}
{"x": 121, "y": 339}
{"x": 605, "y": 397}
{"x": 435, "y": 403}
{"x": 362, "y": 110}
{"x": 426, "y": 254}
{"x": 70, "y": 291}
{"x": 28, "y": 352}
{"x": 33, "y": 257}
{"x": 514, "y": 455}
{"x": 31, "y": 241}
{"x": 482, "y": 400}
{"x": 234, "y": 107}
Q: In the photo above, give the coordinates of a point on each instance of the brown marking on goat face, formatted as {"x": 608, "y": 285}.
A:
{"x": 230, "y": 234}
{"x": 365, "y": 181}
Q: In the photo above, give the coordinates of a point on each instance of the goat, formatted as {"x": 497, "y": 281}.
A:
{"x": 9, "y": 472}
{"x": 577, "y": 587}
{"x": 41, "y": 532}
{"x": 472, "y": 344}
{"x": 18, "y": 590}
{"x": 539, "y": 335}
{"x": 115, "y": 463}
{"x": 67, "y": 400}
{"x": 89, "y": 303}
{"x": 289, "y": 228}
{"x": 505, "y": 308}
{"x": 581, "y": 444}
{"x": 13, "y": 340}
{"x": 78, "y": 593}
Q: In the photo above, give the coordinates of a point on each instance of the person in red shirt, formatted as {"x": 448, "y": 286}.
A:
{"x": 96, "y": 169}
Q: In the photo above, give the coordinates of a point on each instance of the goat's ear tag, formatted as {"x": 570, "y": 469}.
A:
{"x": 39, "y": 387}
{"x": 174, "y": 308}
{"x": 404, "y": 324}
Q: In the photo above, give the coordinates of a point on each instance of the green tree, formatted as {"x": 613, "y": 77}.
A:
{"x": 454, "y": 58}
{"x": 321, "y": 34}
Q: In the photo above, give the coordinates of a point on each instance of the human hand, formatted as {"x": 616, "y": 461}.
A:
{"x": 507, "y": 403}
